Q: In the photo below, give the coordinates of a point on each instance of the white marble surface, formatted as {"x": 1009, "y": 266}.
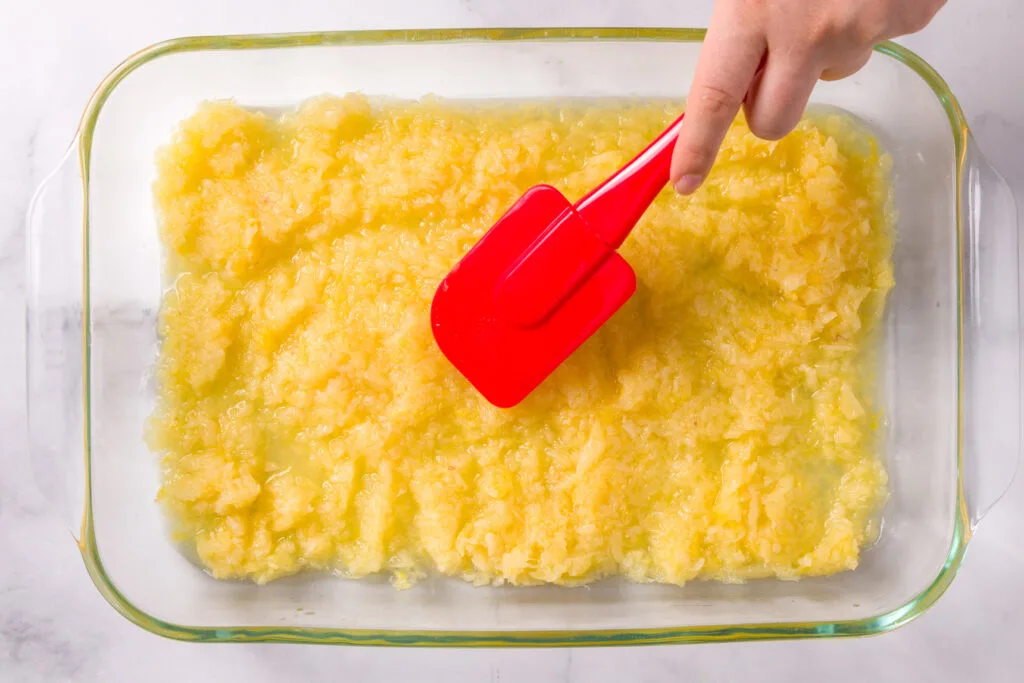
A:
{"x": 54, "y": 626}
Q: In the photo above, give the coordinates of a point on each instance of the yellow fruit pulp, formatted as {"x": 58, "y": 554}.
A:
{"x": 719, "y": 426}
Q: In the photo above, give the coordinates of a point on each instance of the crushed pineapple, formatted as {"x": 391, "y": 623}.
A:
{"x": 719, "y": 426}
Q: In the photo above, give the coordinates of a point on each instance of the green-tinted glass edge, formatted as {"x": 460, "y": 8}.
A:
{"x": 575, "y": 638}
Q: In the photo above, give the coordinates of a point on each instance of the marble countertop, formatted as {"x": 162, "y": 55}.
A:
{"x": 54, "y": 626}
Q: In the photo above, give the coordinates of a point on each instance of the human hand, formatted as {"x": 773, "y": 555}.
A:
{"x": 766, "y": 56}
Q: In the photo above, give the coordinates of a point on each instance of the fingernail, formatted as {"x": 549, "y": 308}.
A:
{"x": 689, "y": 183}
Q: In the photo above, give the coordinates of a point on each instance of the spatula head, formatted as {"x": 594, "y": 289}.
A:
{"x": 526, "y": 296}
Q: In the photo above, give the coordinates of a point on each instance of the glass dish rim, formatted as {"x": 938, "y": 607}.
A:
{"x": 877, "y": 624}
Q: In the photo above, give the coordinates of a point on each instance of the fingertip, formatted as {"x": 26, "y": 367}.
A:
{"x": 690, "y": 162}
{"x": 776, "y": 106}
{"x": 688, "y": 183}
{"x": 771, "y": 129}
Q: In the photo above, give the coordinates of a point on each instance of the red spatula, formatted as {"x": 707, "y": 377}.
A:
{"x": 544, "y": 278}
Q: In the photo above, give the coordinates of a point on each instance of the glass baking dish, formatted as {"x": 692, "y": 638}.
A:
{"x": 950, "y": 354}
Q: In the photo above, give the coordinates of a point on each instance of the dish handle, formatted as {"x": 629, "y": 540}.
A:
{"x": 55, "y": 345}
{"x": 992, "y": 358}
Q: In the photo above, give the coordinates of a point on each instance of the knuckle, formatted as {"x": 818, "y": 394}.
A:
{"x": 800, "y": 53}
{"x": 820, "y": 31}
{"x": 771, "y": 122}
{"x": 769, "y": 127}
{"x": 918, "y": 14}
{"x": 823, "y": 27}
{"x": 871, "y": 24}
{"x": 871, "y": 28}
{"x": 717, "y": 101}
{"x": 861, "y": 23}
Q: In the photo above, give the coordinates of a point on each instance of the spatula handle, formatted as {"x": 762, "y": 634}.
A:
{"x": 615, "y": 206}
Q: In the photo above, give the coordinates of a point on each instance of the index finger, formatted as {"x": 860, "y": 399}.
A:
{"x": 729, "y": 58}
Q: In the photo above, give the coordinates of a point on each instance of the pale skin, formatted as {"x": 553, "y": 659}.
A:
{"x": 766, "y": 55}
